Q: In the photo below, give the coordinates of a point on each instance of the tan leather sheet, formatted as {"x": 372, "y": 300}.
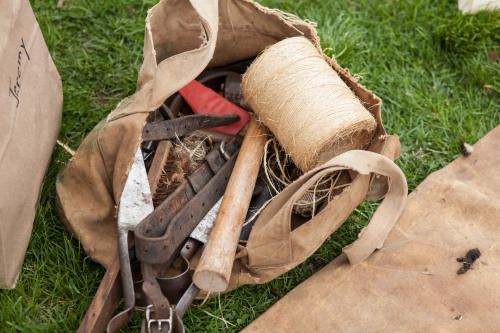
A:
{"x": 411, "y": 284}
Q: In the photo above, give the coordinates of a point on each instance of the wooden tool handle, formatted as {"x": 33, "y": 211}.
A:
{"x": 214, "y": 268}
{"x": 105, "y": 300}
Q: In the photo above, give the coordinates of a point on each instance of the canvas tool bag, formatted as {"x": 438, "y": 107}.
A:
{"x": 31, "y": 98}
{"x": 182, "y": 39}
{"x": 412, "y": 285}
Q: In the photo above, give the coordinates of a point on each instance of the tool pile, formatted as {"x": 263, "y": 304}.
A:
{"x": 212, "y": 200}
{"x": 196, "y": 179}
{"x": 171, "y": 200}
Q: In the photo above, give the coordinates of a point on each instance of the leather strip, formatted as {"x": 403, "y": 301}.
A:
{"x": 153, "y": 236}
{"x": 159, "y": 237}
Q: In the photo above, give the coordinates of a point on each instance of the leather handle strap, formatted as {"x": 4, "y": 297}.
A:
{"x": 273, "y": 225}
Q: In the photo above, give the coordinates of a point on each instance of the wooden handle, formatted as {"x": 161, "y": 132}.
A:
{"x": 216, "y": 262}
{"x": 159, "y": 161}
{"x": 105, "y": 300}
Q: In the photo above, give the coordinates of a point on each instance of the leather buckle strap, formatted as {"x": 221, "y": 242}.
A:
{"x": 160, "y": 236}
{"x": 150, "y": 321}
{"x": 162, "y": 232}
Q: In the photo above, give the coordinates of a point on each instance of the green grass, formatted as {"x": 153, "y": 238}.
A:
{"x": 427, "y": 62}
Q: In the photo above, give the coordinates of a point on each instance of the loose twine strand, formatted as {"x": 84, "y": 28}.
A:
{"x": 277, "y": 166}
{"x": 66, "y": 147}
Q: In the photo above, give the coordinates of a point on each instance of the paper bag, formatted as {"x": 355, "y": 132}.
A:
{"x": 31, "y": 99}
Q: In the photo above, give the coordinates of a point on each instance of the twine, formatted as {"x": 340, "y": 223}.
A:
{"x": 280, "y": 173}
{"x": 306, "y": 105}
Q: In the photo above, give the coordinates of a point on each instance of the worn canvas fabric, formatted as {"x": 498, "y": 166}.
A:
{"x": 31, "y": 99}
{"x": 412, "y": 285}
{"x": 182, "y": 39}
{"x": 274, "y": 247}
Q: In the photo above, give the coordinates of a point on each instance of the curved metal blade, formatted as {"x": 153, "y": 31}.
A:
{"x": 171, "y": 129}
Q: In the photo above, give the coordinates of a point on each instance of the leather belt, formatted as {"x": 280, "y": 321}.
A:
{"x": 160, "y": 236}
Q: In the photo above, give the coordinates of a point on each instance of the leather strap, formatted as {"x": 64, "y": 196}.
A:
{"x": 156, "y": 235}
{"x": 159, "y": 237}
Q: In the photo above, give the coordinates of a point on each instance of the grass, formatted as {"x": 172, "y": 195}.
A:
{"x": 433, "y": 67}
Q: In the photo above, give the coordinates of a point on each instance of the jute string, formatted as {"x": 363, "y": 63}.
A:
{"x": 280, "y": 173}
{"x": 305, "y": 104}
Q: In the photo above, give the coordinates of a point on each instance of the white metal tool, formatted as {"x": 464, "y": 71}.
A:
{"x": 135, "y": 204}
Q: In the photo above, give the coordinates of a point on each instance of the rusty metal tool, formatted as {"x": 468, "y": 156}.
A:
{"x": 197, "y": 238}
{"x": 214, "y": 268}
{"x": 173, "y": 128}
{"x": 232, "y": 90}
{"x": 109, "y": 293}
{"x": 160, "y": 236}
{"x": 135, "y": 204}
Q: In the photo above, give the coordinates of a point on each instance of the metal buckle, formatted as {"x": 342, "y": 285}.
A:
{"x": 149, "y": 310}
{"x": 224, "y": 153}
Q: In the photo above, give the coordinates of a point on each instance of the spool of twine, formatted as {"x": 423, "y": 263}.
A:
{"x": 306, "y": 105}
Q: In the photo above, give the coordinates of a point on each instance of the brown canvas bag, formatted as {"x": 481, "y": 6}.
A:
{"x": 412, "y": 285}
{"x": 182, "y": 39}
{"x": 31, "y": 99}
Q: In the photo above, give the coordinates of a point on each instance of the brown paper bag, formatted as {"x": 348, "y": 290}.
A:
{"x": 177, "y": 48}
{"x": 412, "y": 285}
{"x": 31, "y": 100}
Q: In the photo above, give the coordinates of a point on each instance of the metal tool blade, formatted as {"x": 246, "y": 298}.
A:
{"x": 173, "y": 128}
{"x": 135, "y": 204}
{"x": 203, "y": 229}
{"x": 136, "y": 201}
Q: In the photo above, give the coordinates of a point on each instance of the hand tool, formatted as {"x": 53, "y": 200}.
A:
{"x": 135, "y": 204}
{"x": 109, "y": 293}
{"x": 174, "y": 128}
{"x": 214, "y": 268}
{"x": 197, "y": 238}
{"x": 204, "y": 100}
{"x": 160, "y": 236}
